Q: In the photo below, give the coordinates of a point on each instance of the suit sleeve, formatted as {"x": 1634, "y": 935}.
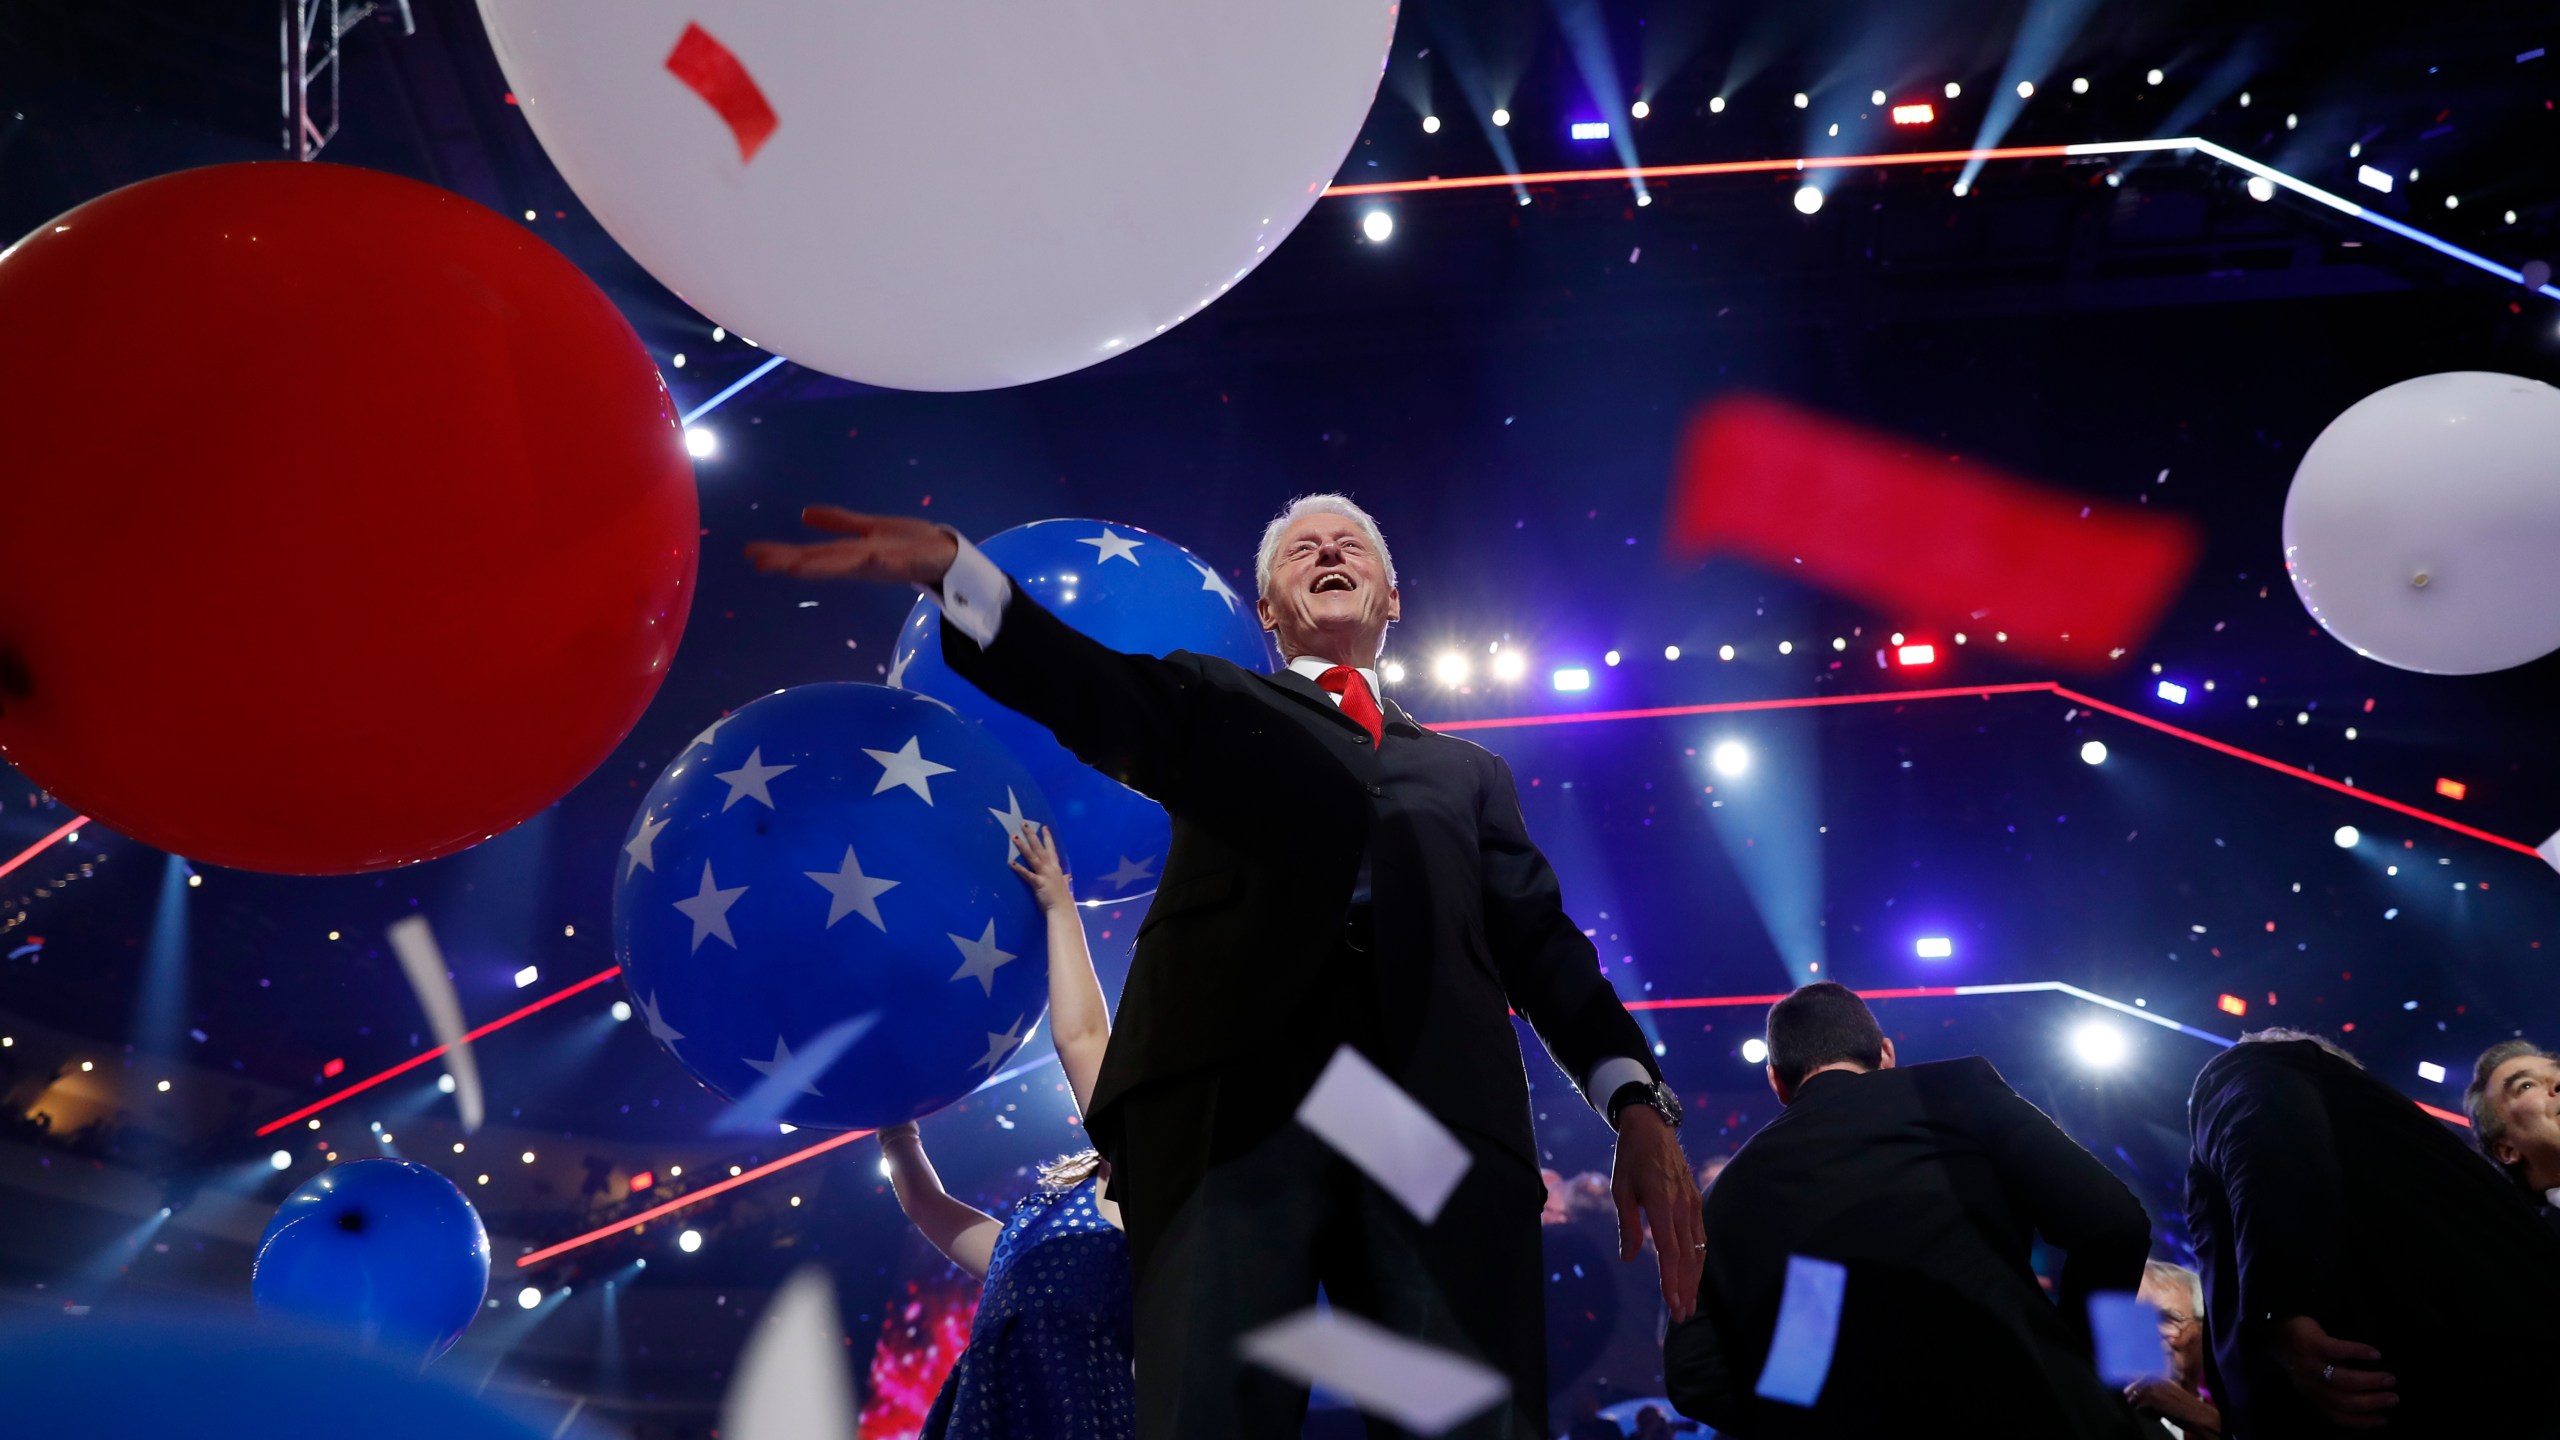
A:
{"x": 2264, "y": 1134}
{"x": 2071, "y": 1198}
{"x": 1548, "y": 967}
{"x": 1128, "y": 716}
{"x": 1699, "y": 1377}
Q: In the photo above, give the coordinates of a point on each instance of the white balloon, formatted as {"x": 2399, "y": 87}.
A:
{"x": 953, "y": 194}
{"x": 2423, "y": 527}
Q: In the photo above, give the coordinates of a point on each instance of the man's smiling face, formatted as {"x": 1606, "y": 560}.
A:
{"x": 1329, "y": 594}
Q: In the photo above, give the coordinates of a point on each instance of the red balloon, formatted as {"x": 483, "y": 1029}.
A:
{"x": 343, "y": 524}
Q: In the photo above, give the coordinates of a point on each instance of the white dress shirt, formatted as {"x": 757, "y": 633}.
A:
{"x": 973, "y": 595}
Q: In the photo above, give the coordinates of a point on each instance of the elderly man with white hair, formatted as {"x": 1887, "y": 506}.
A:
{"x": 1339, "y": 876}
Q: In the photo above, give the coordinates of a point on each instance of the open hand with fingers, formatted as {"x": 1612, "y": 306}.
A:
{"x": 1041, "y": 869}
{"x": 890, "y": 549}
{"x": 2341, "y": 1379}
{"x": 1655, "y": 1192}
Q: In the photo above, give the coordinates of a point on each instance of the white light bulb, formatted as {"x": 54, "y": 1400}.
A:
{"x": 2094, "y": 752}
{"x": 1501, "y": 118}
{"x": 700, "y": 442}
{"x": 2347, "y": 836}
{"x": 1729, "y": 758}
{"x": 1954, "y": 90}
{"x": 2099, "y": 1044}
{"x": 1640, "y": 110}
{"x": 528, "y": 1297}
{"x": 1430, "y": 124}
{"x": 1377, "y": 225}
{"x": 1808, "y": 199}
{"x": 1716, "y": 106}
{"x": 689, "y": 1241}
{"x": 1755, "y": 1051}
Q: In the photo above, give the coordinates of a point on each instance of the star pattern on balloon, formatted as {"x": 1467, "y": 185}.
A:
{"x": 907, "y": 766}
{"x": 1131, "y": 872}
{"x": 1111, "y": 545}
{"x": 999, "y": 1046}
{"x": 781, "y": 1057}
{"x": 1210, "y": 581}
{"x": 751, "y": 779}
{"x": 979, "y": 958}
{"x": 638, "y": 848}
{"x": 1013, "y": 821}
{"x": 898, "y": 664}
{"x": 658, "y": 1026}
{"x": 854, "y": 892}
{"x": 708, "y": 909}
{"x": 708, "y": 731}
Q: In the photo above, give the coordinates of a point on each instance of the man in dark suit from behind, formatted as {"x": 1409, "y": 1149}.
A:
{"x": 2363, "y": 1269}
{"x": 1929, "y": 1184}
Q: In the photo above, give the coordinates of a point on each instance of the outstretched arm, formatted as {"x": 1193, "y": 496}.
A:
{"x": 965, "y": 1234}
{"x": 1079, "y": 1019}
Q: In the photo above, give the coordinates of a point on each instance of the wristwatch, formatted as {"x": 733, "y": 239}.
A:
{"x": 1652, "y": 1094}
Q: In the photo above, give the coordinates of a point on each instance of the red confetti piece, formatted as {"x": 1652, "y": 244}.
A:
{"x": 708, "y": 68}
{"x": 1967, "y": 548}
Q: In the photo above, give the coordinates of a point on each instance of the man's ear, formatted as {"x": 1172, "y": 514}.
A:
{"x": 1786, "y": 1093}
{"x": 1887, "y": 1062}
{"x": 2505, "y": 1152}
{"x": 1263, "y": 612}
{"x": 1395, "y": 605}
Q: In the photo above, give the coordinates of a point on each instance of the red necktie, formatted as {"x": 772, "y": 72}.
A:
{"x": 1357, "y": 702}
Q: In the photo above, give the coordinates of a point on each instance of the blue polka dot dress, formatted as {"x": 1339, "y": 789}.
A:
{"x": 1048, "y": 1355}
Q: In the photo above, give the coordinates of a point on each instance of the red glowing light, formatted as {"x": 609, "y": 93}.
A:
{"x": 1918, "y": 654}
{"x": 642, "y": 1180}
{"x": 333, "y": 1069}
{"x": 691, "y": 1197}
{"x": 2231, "y": 1005}
{"x": 423, "y": 1056}
{"x": 23, "y": 856}
{"x": 1920, "y": 114}
{"x": 2452, "y": 789}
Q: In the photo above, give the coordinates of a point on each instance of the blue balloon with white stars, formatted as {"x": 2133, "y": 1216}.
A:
{"x": 1135, "y": 591}
{"x": 815, "y": 912}
{"x": 386, "y": 1253}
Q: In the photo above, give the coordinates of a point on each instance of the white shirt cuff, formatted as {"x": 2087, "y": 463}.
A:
{"x": 1607, "y": 1076}
{"x": 973, "y": 592}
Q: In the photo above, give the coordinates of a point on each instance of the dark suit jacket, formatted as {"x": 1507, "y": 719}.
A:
{"x": 1929, "y": 1183}
{"x": 2316, "y": 1189}
{"x": 1276, "y": 797}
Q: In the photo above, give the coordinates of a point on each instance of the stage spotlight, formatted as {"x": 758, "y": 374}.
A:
{"x": 621, "y": 1009}
{"x": 1808, "y": 199}
{"x": 2098, "y": 1044}
{"x": 1917, "y": 654}
{"x": 1954, "y": 90}
{"x": 1936, "y": 947}
{"x": 1724, "y": 652}
{"x": 1590, "y": 130}
{"x": 1639, "y": 110}
{"x": 2173, "y": 692}
{"x": 2026, "y": 90}
{"x": 528, "y": 1297}
{"x": 194, "y": 881}
{"x": 679, "y": 359}
{"x": 2430, "y": 1070}
{"x": 1729, "y": 758}
{"x": 2347, "y": 837}
{"x": 1755, "y": 1051}
{"x": 2154, "y": 77}
{"x": 1450, "y": 669}
{"x": 1803, "y": 100}
{"x": 527, "y": 1157}
{"x": 1509, "y": 665}
{"x": 1670, "y": 652}
{"x": 1501, "y": 117}
{"x": 1392, "y": 672}
{"x": 164, "y": 1087}
{"x": 2261, "y": 188}
{"x": 689, "y": 1241}
{"x": 282, "y": 1159}
{"x": 1573, "y": 677}
{"x": 700, "y": 443}
{"x": 444, "y": 1084}
{"x": 2452, "y": 201}
{"x": 2094, "y": 752}
{"x": 1920, "y": 114}
{"x": 1377, "y": 225}
{"x": 1430, "y": 124}
{"x": 1876, "y": 98}
{"x": 528, "y": 975}
{"x": 2080, "y": 86}
{"x": 1612, "y": 658}
{"x": 1715, "y": 106}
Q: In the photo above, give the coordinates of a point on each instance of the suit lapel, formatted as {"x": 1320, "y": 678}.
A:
{"x": 1308, "y": 692}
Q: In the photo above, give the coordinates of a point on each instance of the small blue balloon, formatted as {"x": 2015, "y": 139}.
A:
{"x": 815, "y": 913}
{"x": 210, "y": 1377}
{"x": 384, "y": 1252}
{"x": 1134, "y": 591}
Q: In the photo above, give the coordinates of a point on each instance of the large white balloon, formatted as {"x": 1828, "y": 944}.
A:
{"x": 2423, "y": 527}
{"x": 946, "y": 194}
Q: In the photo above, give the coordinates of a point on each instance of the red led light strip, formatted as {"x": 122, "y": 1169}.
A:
{"x": 2051, "y": 687}
{"x": 44, "y": 844}
{"x": 1719, "y": 167}
{"x": 423, "y": 1056}
{"x": 722, "y": 1187}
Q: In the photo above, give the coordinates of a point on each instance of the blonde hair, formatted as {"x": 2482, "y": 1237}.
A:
{"x": 1069, "y": 1171}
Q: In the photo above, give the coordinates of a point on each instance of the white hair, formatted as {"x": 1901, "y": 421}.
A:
{"x": 1298, "y": 509}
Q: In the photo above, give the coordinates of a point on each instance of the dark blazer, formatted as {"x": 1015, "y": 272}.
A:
{"x": 1276, "y": 798}
{"x": 2316, "y": 1189}
{"x": 1930, "y": 1184}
